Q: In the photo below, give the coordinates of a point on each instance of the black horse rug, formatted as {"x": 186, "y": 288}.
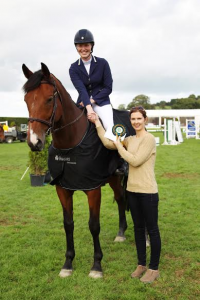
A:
{"x": 89, "y": 164}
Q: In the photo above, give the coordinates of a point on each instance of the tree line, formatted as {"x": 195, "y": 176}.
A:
{"x": 191, "y": 102}
{"x": 14, "y": 121}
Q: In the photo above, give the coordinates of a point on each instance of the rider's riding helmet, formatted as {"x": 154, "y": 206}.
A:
{"x": 84, "y": 36}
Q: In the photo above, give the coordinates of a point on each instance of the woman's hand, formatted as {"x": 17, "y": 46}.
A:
{"x": 91, "y": 114}
{"x": 94, "y": 118}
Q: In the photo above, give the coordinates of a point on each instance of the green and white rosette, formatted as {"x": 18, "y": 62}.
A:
{"x": 119, "y": 130}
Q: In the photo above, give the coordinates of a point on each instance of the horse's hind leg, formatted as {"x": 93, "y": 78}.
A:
{"x": 94, "y": 200}
{"x": 66, "y": 200}
{"x": 115, "y": 184}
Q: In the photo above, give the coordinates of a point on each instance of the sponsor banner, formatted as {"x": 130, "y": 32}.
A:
{"x": 190, "y": 128}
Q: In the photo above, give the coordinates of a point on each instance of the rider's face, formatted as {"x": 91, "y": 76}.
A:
{"x": 84, "y": 50}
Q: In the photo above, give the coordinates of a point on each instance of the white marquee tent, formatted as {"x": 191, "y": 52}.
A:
{"x": 174, "y": 113}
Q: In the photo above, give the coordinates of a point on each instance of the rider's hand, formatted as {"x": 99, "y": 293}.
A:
{"x": 118, "y": 141}
{"x": 92, "y": 101}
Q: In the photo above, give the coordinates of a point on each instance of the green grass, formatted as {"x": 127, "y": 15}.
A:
{"x": 32, "y": 239}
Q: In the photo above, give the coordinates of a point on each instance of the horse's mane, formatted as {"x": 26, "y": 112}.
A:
{"x": 33, "y": 82}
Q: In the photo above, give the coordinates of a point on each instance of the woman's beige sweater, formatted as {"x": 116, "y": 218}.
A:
{"x": 140, "y": 155}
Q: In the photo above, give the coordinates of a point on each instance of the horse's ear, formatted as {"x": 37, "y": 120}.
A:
{"x": 26, "y": 71}
{"x": 45, "y": 70}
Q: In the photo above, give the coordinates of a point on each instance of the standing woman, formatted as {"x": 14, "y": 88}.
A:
{"x": 140, "y": 153}
{"x": 91, "y": 76}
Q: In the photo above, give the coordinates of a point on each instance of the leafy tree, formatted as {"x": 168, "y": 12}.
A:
{"x": 18, "y": 121}
{"x": 162, "y": 104}
{"x": 192, "y": 96}
{"x": 142, "y": 100}
{"x": 172, "y": 102}
{"x": 12, "y": 124}
{"x": 122, "y": 107}
{"x": 192, "y": 102}
{"x": 186, "y": 103}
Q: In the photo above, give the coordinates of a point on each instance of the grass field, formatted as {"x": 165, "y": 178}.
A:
{"x": 32, "y": 245}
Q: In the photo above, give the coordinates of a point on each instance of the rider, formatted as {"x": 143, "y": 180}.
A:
{"x": 92, "y": 78}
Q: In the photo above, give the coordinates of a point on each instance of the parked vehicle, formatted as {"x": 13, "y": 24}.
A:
{"x": 12, "y": 134}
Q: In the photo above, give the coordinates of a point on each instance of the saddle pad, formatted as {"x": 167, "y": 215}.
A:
{"x": 90, "y": 164}
{"x": 84, "y": 167}
{"x": 122, "y": 117}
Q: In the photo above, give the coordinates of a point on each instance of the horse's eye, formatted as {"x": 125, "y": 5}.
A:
{"x": 49, "y": 100}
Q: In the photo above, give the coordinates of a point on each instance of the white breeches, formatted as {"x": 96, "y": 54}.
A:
{"x": 105, "y": 113}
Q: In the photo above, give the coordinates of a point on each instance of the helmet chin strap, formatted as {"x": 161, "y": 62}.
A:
{"x": 90, "y": 53}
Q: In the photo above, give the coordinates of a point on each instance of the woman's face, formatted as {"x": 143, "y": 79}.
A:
{"x": 84, "y": 50}
{"x": 138, "y": 121}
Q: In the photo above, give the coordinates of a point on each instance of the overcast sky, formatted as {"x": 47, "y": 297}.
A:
{"x": 152, "y": 46}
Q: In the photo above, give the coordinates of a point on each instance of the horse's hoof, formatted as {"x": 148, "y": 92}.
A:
{"x": 95, "y": 274}
{"x": 120, "y": 239}
{"x": 65, "y": 273}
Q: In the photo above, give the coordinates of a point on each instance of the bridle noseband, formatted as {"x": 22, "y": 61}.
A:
{"x": 51, "y": 122}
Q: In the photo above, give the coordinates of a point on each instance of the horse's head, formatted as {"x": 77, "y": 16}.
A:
{"x": 41, "y": 98}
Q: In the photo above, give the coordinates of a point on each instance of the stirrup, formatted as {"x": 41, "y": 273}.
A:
{"x": 119, "y": 172}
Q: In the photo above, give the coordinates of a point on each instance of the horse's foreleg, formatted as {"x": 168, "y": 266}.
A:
{"x": 66, "y": 200}
{"x": 94, "y": 200}
{"x": 115, "y": 184}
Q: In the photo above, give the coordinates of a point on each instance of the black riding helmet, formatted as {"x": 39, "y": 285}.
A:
{"x": 84, "y": 36}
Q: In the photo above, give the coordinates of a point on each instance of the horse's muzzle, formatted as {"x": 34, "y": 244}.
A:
{"x": 37, "y": 147}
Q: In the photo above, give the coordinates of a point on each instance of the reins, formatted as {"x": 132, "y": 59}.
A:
{"x": 51, "y": 122}
{"x": 54, "y": 130}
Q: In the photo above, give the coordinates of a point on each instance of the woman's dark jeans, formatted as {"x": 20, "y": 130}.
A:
{"x": 144, "y": 211}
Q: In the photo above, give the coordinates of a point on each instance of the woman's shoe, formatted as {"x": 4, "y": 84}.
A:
{"x": 139, "y": 271}
{"x": 150, "y": 276}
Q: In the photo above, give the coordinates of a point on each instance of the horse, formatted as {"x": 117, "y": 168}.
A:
{"x": 51, "y": 109}
{"x": 2, "y": 136}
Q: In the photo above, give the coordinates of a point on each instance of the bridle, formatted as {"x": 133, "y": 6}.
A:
{"x": 51, "y": 122}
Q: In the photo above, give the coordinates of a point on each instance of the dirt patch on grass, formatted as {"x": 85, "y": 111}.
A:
{"x": 177, "y": 258}
{"x": 181, "y": 175}
{"x": 19, "y": 220}
{"x": 8, "y": 168}
{"x": 179, "y": 273}
{"x": 171, "y": 257}
{"x": 9, "y": 222}
{"x": 4, "y": 222}
{"x": 194, "y": 278}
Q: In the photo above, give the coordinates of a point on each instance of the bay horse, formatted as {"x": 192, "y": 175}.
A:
{"x": 51, "y": 109}
{"x": 2, "y": 136}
